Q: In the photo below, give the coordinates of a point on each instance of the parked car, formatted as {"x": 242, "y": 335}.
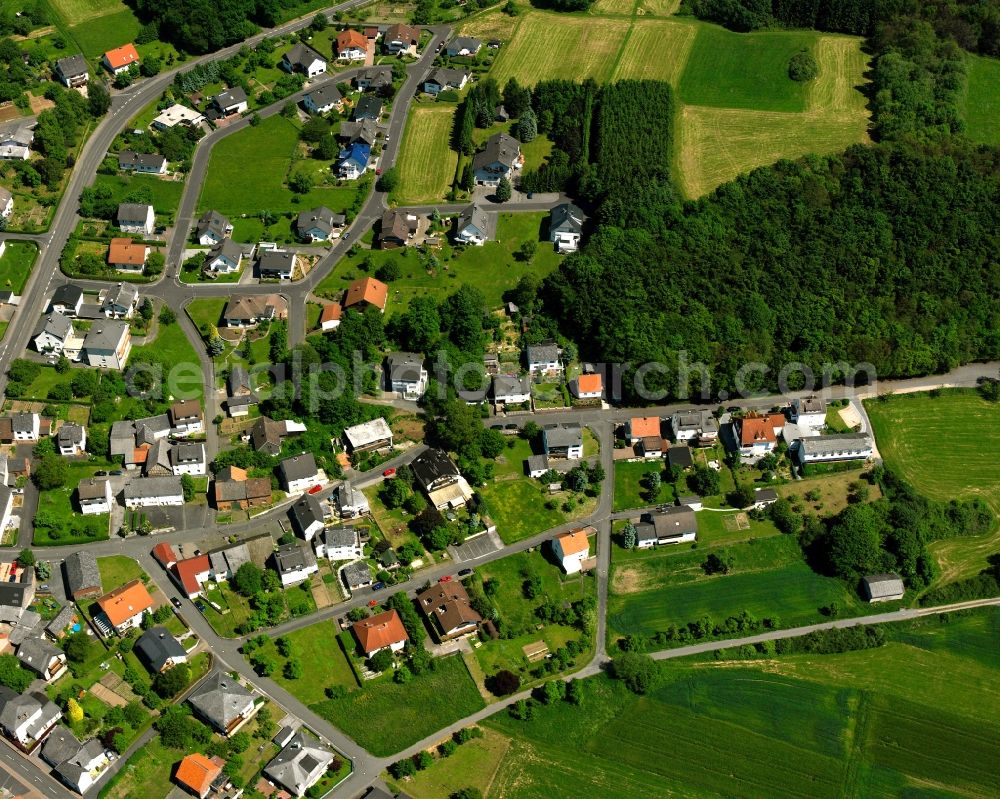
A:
{"x": 390, "y": 472}
{"x": 445, "y": 579}
{"x": 372, "y": 603}
{"x": 175, "y": 602}
{"x": 100, "y": 473}
{"x": 316, "y": 489}
{"x": 465, "y": 572}
{"x": 378, "y": 586}
{"x": 117, "y": 473}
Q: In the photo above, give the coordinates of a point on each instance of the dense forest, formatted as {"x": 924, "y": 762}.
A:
{"x": 973, "y": 24}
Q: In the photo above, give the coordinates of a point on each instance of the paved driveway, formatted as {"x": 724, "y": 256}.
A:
{"x": 483, "y": 544}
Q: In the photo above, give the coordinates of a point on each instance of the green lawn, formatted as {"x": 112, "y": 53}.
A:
{"x": 173, "y": 347}
{"x": 146, "y": 774}
{"x": 744, "y": 70}
{"x": 535, "y": 151}
{"x": 491, "y": 268}
{"x": 324, "y": 663}
{"x": 116, "y": 570}
{"x": 15, "y": 265}
{"x": 426, "y": 161}
{"x": 630, "y": 491}
{"x": 385, "y": 716}
{"x": 654, "y": 589}
{"x": 163, "y": 195}
{"x": 71, "y": 526}
{"x": 233, "y": 189}
{"x": 206, "y": 311}
{"x": 912, "y": 718}
{"x": 982, "y": 101}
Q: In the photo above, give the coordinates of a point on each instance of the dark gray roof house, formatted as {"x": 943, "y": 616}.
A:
{"x": 60, "y": 746}
{"x": 15, "y": 708}
{"x": 299, "y": 467}
{"x": 434, "y": 469}
{"x": 19, "y": 589}
{"x": 882, "y": 587}
{"x": 276, "y": 264}
{"x": 158, "y": 649}
{"x": 680, "y": 456}
{"x": 142, "y": 162}
{"x": 37, "y": 654}
{"x": 357, "y": 575}
{"x": 221, "y": 702}
{"x": 301, "y": 58}
{"x": 546, "y": 352}
{"x": 229, "y": 99}
{"x": 214, "y": 224}
{"x": 368, "y": 107}
{"x": 475, "y": 224}
{"x": 501, "y": 152}
{"x": 318, "y": 223}
{"x": 67, "y": 295}
{"x": 305, "y": 512}
{"x": 404, "y": 367}
{"x": 300, "y": 764}
{"x": 293, "y": 557}
{"x": 83, "y": 578}
{"x": 566, "y": 218}
{"x": 72, "y": 69}
{"x": 463, "y": 45}
{"x": 365, "y": 131}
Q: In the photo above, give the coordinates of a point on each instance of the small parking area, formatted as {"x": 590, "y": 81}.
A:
{"x": 480, "y": 546}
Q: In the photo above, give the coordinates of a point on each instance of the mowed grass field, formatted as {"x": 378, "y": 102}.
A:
{"x": 76, "y": 11}
{"x": 671, "y": 41}
{"x": 982, "y": 100}
{"x": 547, "y": 45}
{"x": 915, "y": 717}
{"x": 910, "y": 430}
{"x": 426, "y": 163}
{"x": 714, "y": 145}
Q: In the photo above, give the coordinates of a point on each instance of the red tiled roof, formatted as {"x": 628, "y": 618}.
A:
{"x": 349, "y": 39}
{"x": 754, "y": 429}
{"x": 122, "y": 56}
{"x": 379, "y": 631}
{"x": 642, "y": 426}
{"x": 164, "y": 554}
{"x": 367, "y": 289}
{"x": 123, "y": 603}
{"x": 572, "y": 543}
{"x": 126, "y": 251}
{"x": 588, "y": 383}
{"x": 187, "y": 570}
{"x": 331, "y": 313}
{"x": 197, "y": 772}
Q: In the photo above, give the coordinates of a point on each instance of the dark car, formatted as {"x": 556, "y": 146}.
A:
{"x": 175, "y": 602}
{"x": 378, "y": 586}
{"x": 117, "y": 473}
{"x": 464, "y": 572}
{"x": 101, "y": 473}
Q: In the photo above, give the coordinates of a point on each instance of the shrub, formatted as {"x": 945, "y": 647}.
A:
{"x": 803, "y": 67}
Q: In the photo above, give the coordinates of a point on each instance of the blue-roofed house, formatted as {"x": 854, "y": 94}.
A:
{"x": 354, "y": 160}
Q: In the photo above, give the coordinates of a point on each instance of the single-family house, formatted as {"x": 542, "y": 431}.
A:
{"x": 83, "y": 578}
{"x": 475, "y": 226}
{"x": 563, "y": 440}
{"x": 757, "y": 434}
{"x": 463, "y": 46}
{"x": 366, "y": 291}
{"x": 222, "y": 703}
{"x": 300, "y": 764}
{"x": 266, "y": 435}
{"x": 882, "y": 587}
{"x": 440, "y": 479}
{"x": 651, "y": 447}
{"x": 511, "y": 389}
{"x": 72, "y": 71}
{"x": 357, "y": 575}
{"x": 27, "y": 718}
{"x": 762, "y": 497}
{"x": 500, "y": 158}
{"x": 537, "y": 465}
{"x": 324, "y": 99}
{"x": 372, "y": 79}
{"x": 136, "y": 218}
{"x": 319, "y": 224}
{"x": 51, "y": 333}
{"x": 587, "y": 386}
{"x": 401, "y": 39}
{"x": 566, "y": 227}
{"x": 307, "y": 516}
{"x": 93, "y": 495}
{"x": 397, "y": 228}
{"x": 338, "y": 543}
{"x": 119, "y": 302}
{"x": 299, "y": 473}
{"x": 351, "y": 501}
{"x": 43, "y": 658}
{"x": 120, "y": 59}
{"x": 81, "y": 770}
{"x": 196, "y": 774}
{"x": 108, "y": 344}
{"x": 175, "y": 115}
{"x": 295, "y": 562}
{"x": 230, "y": 101}
{"x": 232, "y": 489}
{"x": 212, "y": 228}
{"x": 67, "y": 300}
{"x": 148, "y": 163}
{"x": 845, "y": 447}
{"x": 699, "y": 427}
{"x": 381, "y": 631}
{"x": 225, "y": 258}
{"x": 368, "y": 436}
{"x": 444, "y": 79}
{"x": 543, "y": 359}
{"x": 15, "y": 143}
{"x": 186, "y": 417}
{"x": 302, "y": 58}
{"x": 329, "y": 317}
{"x": 351, "y": 45}
{"x": 249, "y": 310}
{"x": 276, "y": 265}
{"x": 71, "y": 439}
{"x": 123, "y": 608}
{"x": 676, "y": 524}
{"x": 808, "y": 412}
{"x": 159, "y": 650}
{"x": 572, "y": 549}
{"x": 447, "y": 608}
{"x": 151, "y": 492}
{"x": 368, "y": 107}
{"x": 188, "y": 458}
{"x": 353, "y": 160}
{"x": 127, "y": 255}
{"x": 680, "y": 456}
{"x": 406, "y": 375}
{"x": 17, "y": 583}
{"x": 22, "y": 426}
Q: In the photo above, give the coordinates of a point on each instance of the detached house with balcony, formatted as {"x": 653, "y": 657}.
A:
{"x": 406, "y": 375}
{"x": 500, "y": 158}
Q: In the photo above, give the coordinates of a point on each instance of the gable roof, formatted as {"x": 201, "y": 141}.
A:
{"x": 368, "y": 107}
{"x": 500, "y": 149}
{"x": 477, "y": 217}
{"x": 188, "y": 569}
{"x": 754, "y": 429}
{"x": 67, "y": 294}
{"x": 302, "y": 55}
{"x": 400, "y": 32}
{"x": 566, "y": 217}
{"x": 367, "y": 290}
{"x": 327, "y": 94}
{"x": 320, "y": 217}
{"x": 214, "y": 222}
{"x": 123, "y": 603}
{"x": 365, "y": 130}
{"x": 165, "y": 486}
{"x": 128, "y": 158}
{"x": 543, "y": 352}
{"x": 227, "y": 97}
{"x": 298, "y": 467}
{"x": 123, "y": 56}
{"x": 674, "y": 521}
{"x": 381, "y": 630}
{"x": 197, "y": 772}
{"x": 330, "y": 313}
{"x": 72, "y": 66}
{"x": 276, "y": 261}
{"x": 587, "y": 384}
{"x": 351, "y": 39}
{"x": 81, "y": 571}
{"x": 883, "y": 585}
{"x": 306, "y": 511}
{"x": 443, "y": 76}
{"x": 37, "y": 654}
{"x": 644, "y": 426}
{"x": 431, "y": 465}
{"x": 157, "y": 646}
{"x": 573, "y": 543}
